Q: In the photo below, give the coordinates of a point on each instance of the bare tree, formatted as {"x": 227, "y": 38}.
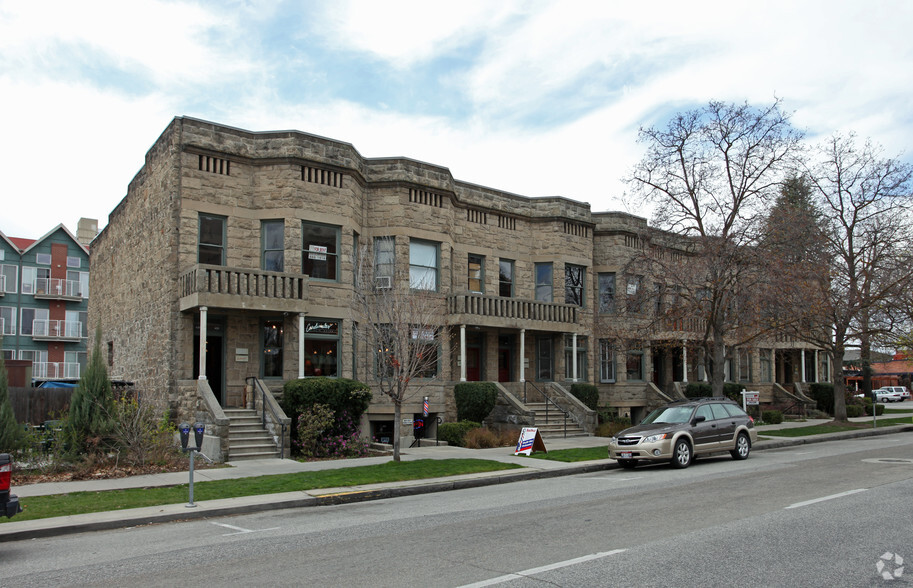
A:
{"x": 709, "y": 175}
{"x": 399, "y": 318}
{"x": 866, "y": 202}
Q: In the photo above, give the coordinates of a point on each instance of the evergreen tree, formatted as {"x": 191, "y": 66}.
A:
{"x": 92, "y": 403}
{"x": 10, "y": 431}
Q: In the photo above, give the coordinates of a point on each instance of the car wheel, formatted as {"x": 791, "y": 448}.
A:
{"x": 681, "y": 455}
{"x": 742, "y": 447}
{"x": 627, "y": 464}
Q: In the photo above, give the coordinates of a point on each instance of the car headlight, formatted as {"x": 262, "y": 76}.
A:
{"x": 613, "y": 440}
{"x": 655, "y": 438}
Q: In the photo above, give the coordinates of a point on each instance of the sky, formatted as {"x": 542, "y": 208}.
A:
{"x": 537, "y": 98}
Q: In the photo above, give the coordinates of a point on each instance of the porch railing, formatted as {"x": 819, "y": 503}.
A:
{"x": 549, "y": 401}
{"x": 52, "y": 370}
{"x": 55, "y": 329}
{"x": 514, "y": 308}
{"x": 51, "y": 287}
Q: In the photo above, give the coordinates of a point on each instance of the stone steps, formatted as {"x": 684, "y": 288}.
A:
{"x": 247, "y": 439}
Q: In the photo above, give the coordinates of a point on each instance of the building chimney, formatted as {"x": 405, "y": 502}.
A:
{"x": 86, "y": 230}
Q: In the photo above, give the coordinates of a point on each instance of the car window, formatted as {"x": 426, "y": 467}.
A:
{"x": 719, "y": 412}
{"x": 704, "y": 411}
{"x": 669, "y": 414}
{"x": 734, "y": 410}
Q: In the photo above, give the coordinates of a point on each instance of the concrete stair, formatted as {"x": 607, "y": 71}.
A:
{"x": 552, "y": 424}
{"x": 247, "y": 439}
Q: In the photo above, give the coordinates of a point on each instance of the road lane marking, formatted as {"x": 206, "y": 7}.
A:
{"x": 823, "y": 498}
{"x": 241, "y": 530}
{"x": 543, "y": 569}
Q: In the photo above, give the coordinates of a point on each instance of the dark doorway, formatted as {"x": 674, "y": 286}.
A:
{"x": 473, "y": 364}
{"x": 505, "y": 352}
{"x": 215, "y": 357}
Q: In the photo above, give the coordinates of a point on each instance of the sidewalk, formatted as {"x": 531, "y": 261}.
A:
{"x": 533, "y": 469}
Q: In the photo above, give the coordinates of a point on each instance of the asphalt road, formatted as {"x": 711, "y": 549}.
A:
{"x": 816, "y": 515}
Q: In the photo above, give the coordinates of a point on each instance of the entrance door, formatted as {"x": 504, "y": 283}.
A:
{"x": 473, "y": 373}
{"x": 215, "y": 359}
{"x": 505, "y": 350}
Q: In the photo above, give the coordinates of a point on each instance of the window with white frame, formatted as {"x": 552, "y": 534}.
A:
{"x": 744, "y": 365}
{"x": 8, "y": 320}
{"x": 424, "y": 343}
{"x": 28, "y": 319}
{"x": 43, "y": 258}
{"x": 35, "y": 279}
{"x": 569, "y": 357}
{"x": 9, "y": 278}
{"x": 384, "y": 258}
{"x": 423, "y": 265}
{"x": 320, "y": 247}
{"x": 606, "y": 361}
{"x": 73, "y": 261}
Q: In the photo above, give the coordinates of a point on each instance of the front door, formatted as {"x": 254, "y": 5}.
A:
{"x": 505, "y": 350}
{"x": 215, "y": 357}
{"x": 473, "y": 371}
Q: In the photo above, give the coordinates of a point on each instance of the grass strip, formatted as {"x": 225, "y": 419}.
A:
{"x": 833, "y": 428}
{"x": 573, "y": 455}
{"x": 56, "y": 505}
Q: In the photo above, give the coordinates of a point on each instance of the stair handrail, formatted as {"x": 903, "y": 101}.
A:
{"x": 268, "y": 401}
{"x": 548, "y": 400}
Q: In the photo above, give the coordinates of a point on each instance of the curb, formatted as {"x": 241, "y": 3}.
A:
{"x": 52, "y": 527}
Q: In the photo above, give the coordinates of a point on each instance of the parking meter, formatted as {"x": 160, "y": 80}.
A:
{"x": 184, "y": 430}
{"x": 198, "y": 429}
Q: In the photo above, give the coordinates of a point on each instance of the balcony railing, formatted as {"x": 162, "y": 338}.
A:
{"x": 57, "y": 288}
{"x": 228, "y": 287}
{"x": 479, "y": 305}
{"x": 48, "y": 329}
{"x": 51, "y": 370}
{"x": 685, "y": 325}
{"x": 2, "y": 285}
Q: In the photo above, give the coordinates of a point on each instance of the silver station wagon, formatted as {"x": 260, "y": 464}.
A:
{"x": 679, "y": 431}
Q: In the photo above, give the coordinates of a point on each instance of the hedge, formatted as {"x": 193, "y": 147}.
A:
{"x": 475, "y": 400}
{"x": 772, "y": 417}
{"x": 453, "y": 433}
{"x": 731, "y": 390}
{"x": 340, "y": 394}
{"x": 588, "y": 394}
{"x": 854, "y": 410}
{"x": 823, "y": 394}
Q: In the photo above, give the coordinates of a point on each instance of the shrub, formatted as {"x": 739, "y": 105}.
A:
{"x": 475, "y": 400}
{"x": 772, "y": 417}
{"x": 346, "y": 399}
{"x": 823, "y": 394}
{"x": 879, "y": 408}
{"x": 705, "y": 390}
{"x": 588, "y": 394}
{"x": 854, "y": 410}
{"x": 453, "y": 433}
{"x": 92, "y": 405}
{"x": 138, "y": 436}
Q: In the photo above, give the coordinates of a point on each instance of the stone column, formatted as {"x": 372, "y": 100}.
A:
{"x": 300, "y": 345}
{"x": 203, "y": 310}
{"x": 684, "y": 362}
{"x": 522, "y": 355}
{"x": 574, "y": 356}
{"x": 462, "y": 353}
{"x": 802, "y": 355}
{"x": 817, "y": 377}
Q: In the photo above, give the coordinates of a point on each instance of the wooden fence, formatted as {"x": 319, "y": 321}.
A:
{"x": 37, "y": 405}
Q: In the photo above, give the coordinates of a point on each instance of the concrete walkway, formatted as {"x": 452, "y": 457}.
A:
{"x": 13, "y": 529}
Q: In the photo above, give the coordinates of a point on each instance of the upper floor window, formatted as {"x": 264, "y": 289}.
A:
{"x": 9, "y": 278}
{"x": 384, "y": 251}
{"x": 476, "y": 267}
{"x": 7, "y": 320}
{"x": 544, "y": 282}
{"x": 606, "y": 361}
{"x": 35, "y": 279}
{"x": 423, "y": 265}
{"x": 320, "y": 247}
{"x": 634, "y": 361}
{"x": 573, "y": 284}
{"x": 272, "y": 234}
{"x": 506, "y": 278}
{"x": 43, "y": 258}
{"x": 73, "y": 261}
{"x": 211, "y": 248}
{"x": 606, "y": 293}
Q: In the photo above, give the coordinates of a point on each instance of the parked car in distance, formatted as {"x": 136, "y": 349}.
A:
{"x": 9, "y": 503}
{"x": 681, "y": 430}
{"x": 904, "y": 393}
{"x": 887, "y": 395}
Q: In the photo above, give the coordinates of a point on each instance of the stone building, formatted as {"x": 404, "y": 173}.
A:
{"x": 228, "y": 269}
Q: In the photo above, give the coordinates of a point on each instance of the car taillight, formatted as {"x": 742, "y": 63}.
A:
{"x": 5, "y": 472}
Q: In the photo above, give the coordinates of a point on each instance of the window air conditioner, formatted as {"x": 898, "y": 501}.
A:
{"x": 383, "y": 282}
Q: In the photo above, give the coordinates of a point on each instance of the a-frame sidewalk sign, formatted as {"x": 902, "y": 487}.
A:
{"x": 530, "y": 440}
